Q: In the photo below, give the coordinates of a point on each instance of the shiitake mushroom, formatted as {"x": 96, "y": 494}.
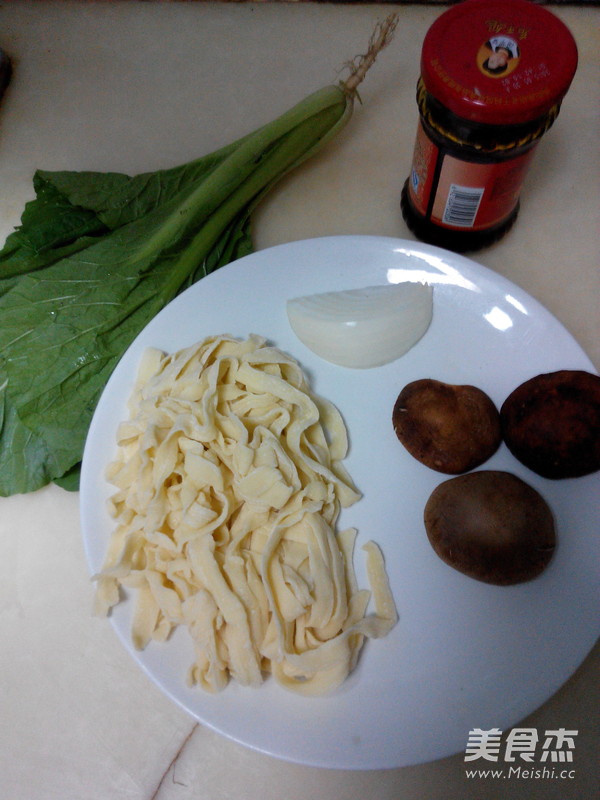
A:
{"x": 551, "y": 423}
{"x": 449, "y": 428}
{"x": 492, "y": 526}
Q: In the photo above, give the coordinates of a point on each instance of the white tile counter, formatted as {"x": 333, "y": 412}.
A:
{"x": 136, "y": 86}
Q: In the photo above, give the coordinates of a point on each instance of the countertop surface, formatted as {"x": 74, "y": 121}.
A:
{"x": 132, "y": 87}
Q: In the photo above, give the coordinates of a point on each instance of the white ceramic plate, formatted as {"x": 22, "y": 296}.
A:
{"x": 464, "y": 654}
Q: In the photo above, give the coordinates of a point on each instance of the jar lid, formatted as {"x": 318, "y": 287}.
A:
{"x": 498, "y": 61}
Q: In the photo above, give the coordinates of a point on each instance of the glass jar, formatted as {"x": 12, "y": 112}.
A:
{"x": 493, "y": 75}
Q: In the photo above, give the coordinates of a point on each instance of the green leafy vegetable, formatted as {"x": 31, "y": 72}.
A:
{"x": 97, "y": 255}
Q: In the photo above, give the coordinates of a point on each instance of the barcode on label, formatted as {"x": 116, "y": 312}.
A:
{"x": 461, "y": 205}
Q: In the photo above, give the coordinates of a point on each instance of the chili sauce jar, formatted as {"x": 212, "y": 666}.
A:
{"x": 493, "y": 75}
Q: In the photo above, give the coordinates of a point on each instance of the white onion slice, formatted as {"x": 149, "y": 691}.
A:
{"x": 363, "y": 328}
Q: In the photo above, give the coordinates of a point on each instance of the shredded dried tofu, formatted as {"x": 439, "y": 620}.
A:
{"x": 229, "y": 485}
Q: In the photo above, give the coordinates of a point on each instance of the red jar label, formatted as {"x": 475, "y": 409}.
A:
{"x": 458, "y": 194}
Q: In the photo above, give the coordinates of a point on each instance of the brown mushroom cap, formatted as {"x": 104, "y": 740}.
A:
{"x": 492, "y": 526}
{"x": 447, "y": 427}
{"x": 551, "y": 423}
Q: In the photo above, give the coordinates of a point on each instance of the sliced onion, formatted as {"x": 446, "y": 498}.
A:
{"x": 363, "y": 328}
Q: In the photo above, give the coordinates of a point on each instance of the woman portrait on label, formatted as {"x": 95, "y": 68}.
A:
{"x": 499, "y": 56}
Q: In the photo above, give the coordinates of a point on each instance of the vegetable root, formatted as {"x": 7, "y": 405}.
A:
{"x": 380, "y": 38}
